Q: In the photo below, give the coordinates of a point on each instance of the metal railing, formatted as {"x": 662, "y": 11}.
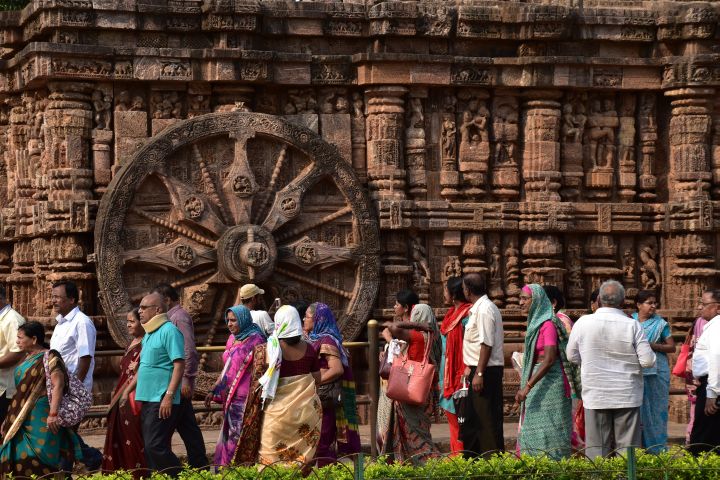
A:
{"x": 99, "y": 411}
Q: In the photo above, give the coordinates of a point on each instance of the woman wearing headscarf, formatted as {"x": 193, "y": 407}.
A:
{"x": 557, "y": 299}
{"x": 547, "y": 380}
{"x": 232, "y": 387}
{"x": 283, "y": 415}
{"x": 451, "y": 363}
{"x": 404, "y": 430}
{"x": 656, "y": 380}
{"x": 339, "y": 433}
{"x": 124, "y": 445}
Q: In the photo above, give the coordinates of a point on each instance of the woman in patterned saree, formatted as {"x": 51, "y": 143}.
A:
{"x": 124, "y": 446}
{"x": 283, "y": 413}
{"x": 233, "y": 385}
{"x": 656, "y": 380}
{"x": 404, "y": 429}
{"x": 545, "y": 384}
{"x": 33, "y": 440}
{"x": 339, "y": 433}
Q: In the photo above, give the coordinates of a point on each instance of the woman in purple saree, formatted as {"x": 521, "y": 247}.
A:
{"x": 339, "y": 434}
{"x": 232, "y": 386}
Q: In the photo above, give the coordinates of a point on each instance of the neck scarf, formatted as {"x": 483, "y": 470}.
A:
{"x": 453, "y": 330}
{"x": 653, "y": 328}
{"x": 541, "y": 311}
{"x": 287, "y": 325}
{"x": 423, "y": 314}
{"x": 325, "y": 325}
{"x": 244, "y": 321}
{"x": 154, "y": 323}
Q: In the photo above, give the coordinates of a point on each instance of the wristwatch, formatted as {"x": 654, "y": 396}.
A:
{"x": 479, "y": 374}
{"x": 170, "y": 392}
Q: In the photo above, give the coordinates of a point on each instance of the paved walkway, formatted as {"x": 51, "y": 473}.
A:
{"x": 440, "y": 433}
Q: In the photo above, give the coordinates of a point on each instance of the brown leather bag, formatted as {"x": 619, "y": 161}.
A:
{"x": 410, "y": 381}
{"x": 384, "y": 370}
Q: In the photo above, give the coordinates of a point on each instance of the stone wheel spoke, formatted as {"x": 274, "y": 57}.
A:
{"x": 191, "y": 208}
{"x": 270, "y": 190}
{"x": 174, "y": 227}
{"x": 308, "y": 254}
{"x": 308, "y": 281}
{"x": 179, "y": 255}
{"x": 314, "y": 224}
{"x": 209, "y": 183}
{"x": 288, "y": 201}
{"x": 240, "y": 186}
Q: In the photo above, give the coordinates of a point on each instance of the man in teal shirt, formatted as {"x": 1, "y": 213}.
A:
{"x": 162, "y": 364}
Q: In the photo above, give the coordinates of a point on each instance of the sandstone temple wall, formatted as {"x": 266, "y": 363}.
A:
{"x": 350, "y": 149}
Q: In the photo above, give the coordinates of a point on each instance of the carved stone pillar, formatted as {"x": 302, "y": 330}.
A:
{"x": 716, "y": 150}
{"x": 601, "y": 259}
{"x": 415, "y": 150}
{"x": 69, "y": 120}
{"x": 420, "y": 267}
{"x": 505, "y": 171}
{"x": 384, "y": 127}
{"x": 512, "y": 272}
{"x": 647, "y": 124}
{"x": 543, "y": 260}
{"x": 495, "y": 290}
{"x": 692, "y": 261}
{"x": 130, "y": 126}
{"x": 576, "y": 285}
{"x": 395, "y": 267}
{"x": 102, "y": 137}
{"x": 21, "y": 279}
{"x": 19, "y": 180}
{"x": 627, "y": 181}
{"x": 541, "y": 148}
{"x": 474, "y": 253}
{"x": 690, "y": 174}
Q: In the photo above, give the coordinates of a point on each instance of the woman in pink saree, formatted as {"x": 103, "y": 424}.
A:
{"x": 233, "y": 385}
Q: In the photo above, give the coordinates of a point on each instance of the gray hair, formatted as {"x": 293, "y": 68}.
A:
{"x": 612, "y": 294}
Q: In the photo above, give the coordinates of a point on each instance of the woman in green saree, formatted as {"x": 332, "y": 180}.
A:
{"x": 33, "y": 440}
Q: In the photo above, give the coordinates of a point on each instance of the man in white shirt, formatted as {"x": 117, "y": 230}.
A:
{"x": 482, "y": 431}
{"x": 10, "y": 354}
{"x": 74, "y": 338}
{"x": 612, "y": 350}
{"x": 705, "y": 434}
{"x": 250, "y": 296}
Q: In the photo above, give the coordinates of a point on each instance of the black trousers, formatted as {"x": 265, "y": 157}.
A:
{"x": 482, "y": 431}
{"x": 705, "y": 434}
{"x": 4, "y": 404}
{"x": 157, "y": 435}
{"x": 191, "y": 435}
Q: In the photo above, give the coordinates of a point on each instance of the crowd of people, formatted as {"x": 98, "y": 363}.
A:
{"x": 599, "y": 385}
{"x": 288, "y": 395}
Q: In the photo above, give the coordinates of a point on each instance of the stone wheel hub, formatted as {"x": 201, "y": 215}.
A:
{"x": 247, "y": 253}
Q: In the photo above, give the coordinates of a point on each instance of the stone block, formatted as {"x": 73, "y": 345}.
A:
{"x": 125, "y": 148}
{"x": 307, "y": 120}
{"x": 131, "y": 124}
{"x": 335, "y": 129}
{"x": 160, "y": 124}
{"x": 291, "y": 74}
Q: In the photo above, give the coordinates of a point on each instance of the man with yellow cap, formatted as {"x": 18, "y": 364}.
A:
{"x": 250, "y": 296}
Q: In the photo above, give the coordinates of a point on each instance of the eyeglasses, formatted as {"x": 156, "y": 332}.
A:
{"x": 651, "y": 303}
{"x": 705, "y": 304}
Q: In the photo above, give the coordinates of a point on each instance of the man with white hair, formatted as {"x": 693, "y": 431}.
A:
{"x": 612, "y": 350}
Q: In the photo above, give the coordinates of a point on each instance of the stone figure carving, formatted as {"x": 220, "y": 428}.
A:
{"x": 573, "y": 122}
{"x": 649, "y": 271}
{"x": 495, "y": 262}
{"x": 102, "y": 103}
{"x": 123, "y": 101}
{"x": 358, "y": 105}
{"x": 505, "y": 129}
{"x": 419, "y": 256}
{"x": 512, "y": 274}
{"x": 474, "y": 146}
{"x": 629, "y": 266}
{"x": 575, "y": 267}
{"x": 452, "y": 268}
{"x": 448, "y": 140}
{"x": 300, "y": 102}
{"x": 473, "y": 131}
{"x": 165, "y": 105}
{"x": 601, "y": 133}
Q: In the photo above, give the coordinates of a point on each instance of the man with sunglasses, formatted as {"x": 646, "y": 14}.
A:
{"x": 705, "y": 433}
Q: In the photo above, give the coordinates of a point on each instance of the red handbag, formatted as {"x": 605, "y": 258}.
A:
{"x": 681, "y": 363}
{"x": 410, "y": 381}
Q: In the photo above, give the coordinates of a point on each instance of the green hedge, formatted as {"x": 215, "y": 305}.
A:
{"x": 6, "y": 5}
{"x": 674, "y": 465}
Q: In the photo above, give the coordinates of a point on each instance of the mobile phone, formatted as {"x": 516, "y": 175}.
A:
{"x": 276, "y": 304}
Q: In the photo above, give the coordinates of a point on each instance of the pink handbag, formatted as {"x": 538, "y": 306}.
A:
{"x": 680, "y": 367}
{"x": 410, "y": 381}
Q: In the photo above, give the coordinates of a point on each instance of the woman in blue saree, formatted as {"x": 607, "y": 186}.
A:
{"x": 233, "y": 385}
{"x": 33, "y": 440}
{"x": 656, "y": 380}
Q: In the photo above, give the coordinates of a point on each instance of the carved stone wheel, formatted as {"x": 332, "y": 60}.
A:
{"x": 231, "y": 198}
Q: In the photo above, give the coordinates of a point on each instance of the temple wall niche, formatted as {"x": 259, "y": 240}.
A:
{"x": 525, "y": 141}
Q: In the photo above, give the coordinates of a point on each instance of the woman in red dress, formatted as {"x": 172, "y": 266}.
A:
{"x": 124, "y": 446}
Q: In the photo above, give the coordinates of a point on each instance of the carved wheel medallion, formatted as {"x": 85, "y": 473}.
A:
{"x": 231, "y": 198}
